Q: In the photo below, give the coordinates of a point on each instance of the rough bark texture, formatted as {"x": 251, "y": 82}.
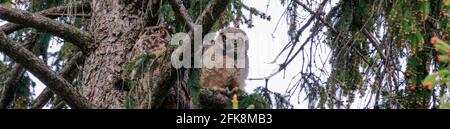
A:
{"x": 7, "y": 94}
{"x": 171, "y": 91}
{"x": 38, "y": 68}
{"x": 116, "y": 25}
{"x": 42, "y": 99}
{"x": 210, "y": 99}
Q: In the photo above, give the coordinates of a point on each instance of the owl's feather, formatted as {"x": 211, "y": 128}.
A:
{"x": 225, "y": 79}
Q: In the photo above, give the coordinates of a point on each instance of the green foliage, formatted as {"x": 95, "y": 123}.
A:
{"x": 6, "y": 3}
{"x": 23, "y": 93}
{"x": 405, "y": 28}
{"x": 38, "y": 5}
{"x": 42, "y": 44}
{"x": 194, "y": 86}
{"x": 349, "y": 56}
{"x": 141, "y": 64}
{"x": 196, "y": 7}
{"x": 130, "y": 100}
{"x": 67, "y": 51}
{"x": 134, "y": 71}
{"x": 264, "y": 98}
{"x": 243, "y": 100}
{"x": 441, "y": 77}
{"x": 411, "y": 22}
{"x": 445, "y": 106}
{"x": 233, "y": 13}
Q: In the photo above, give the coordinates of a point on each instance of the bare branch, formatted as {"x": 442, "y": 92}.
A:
{"x": 67, "y": 73}
{"x": 370, "y": 36}
{"x": 38, "y": 68}
{"x": 7, "y": 96}
{"x": 80, "y": 38}
{"x": 316, "y": 15}
{"x": 374, "y": 42}
{"x": 42, "y": 99}
{"x": 79, "y": 6}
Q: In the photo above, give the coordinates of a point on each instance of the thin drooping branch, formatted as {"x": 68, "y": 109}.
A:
{"x": 80, "y": 7}
{"x": 317, "y": 15}
{"x": 369, "y": 36}
{"x": 209, "y": 16}
{"x": 68, "y": 72}
{"x": 374, "y": 42}
{"x": 80, "y": 38}
{"x": 38, "y": 68}
{"x": 7, "y": 96}
{"x": 295, "y": 40}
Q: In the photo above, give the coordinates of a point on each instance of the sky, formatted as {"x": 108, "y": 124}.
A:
{"x": 267, "y": 38}
{"x": 266, "y": 41}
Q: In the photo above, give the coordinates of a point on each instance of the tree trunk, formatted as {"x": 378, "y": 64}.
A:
{"x": 115, "y": 74}
{"x": 124, "y": 31}
{"x": 116, "y": 25}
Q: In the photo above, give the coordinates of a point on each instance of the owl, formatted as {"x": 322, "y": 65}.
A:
{"x": 152, "y": 40}
{"x": 227, "y": 79}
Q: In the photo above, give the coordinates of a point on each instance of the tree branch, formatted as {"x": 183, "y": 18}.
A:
{"x": 10, "y": 86}
{"x": 67, "y": 73}
{"x": 79, "y": 7}
{"x": 38, "y": 68}
{"x": 7, "y": 96}
{"x": 80, "y": 38}
{"x": 369, "y": 36}
{"x": 213, "y": 11}
{"x": 42, "y": 99}
{"x": 163, "y": 84}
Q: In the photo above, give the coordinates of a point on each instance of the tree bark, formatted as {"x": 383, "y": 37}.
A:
{"x": 81, "y": 39}
{"x": 116, "y": 25}
{"x": 7, "y": 94}
{"x": 80, "y": 7}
